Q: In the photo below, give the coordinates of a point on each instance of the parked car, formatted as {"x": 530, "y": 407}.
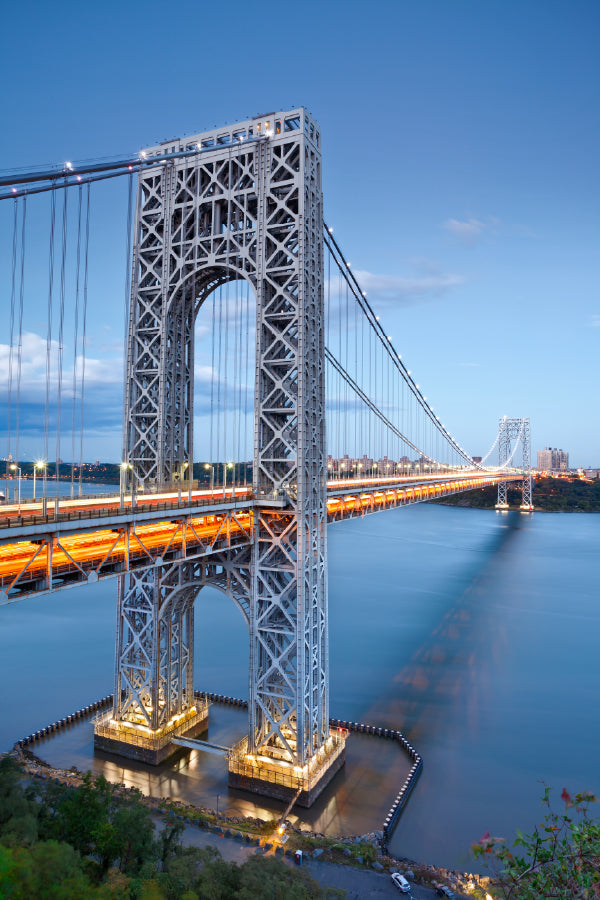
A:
{"x": 443, "y": 891}
{"x": 401, "y": 883}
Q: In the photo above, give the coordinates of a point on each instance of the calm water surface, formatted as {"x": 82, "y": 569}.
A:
{"x": 475, "y": 633}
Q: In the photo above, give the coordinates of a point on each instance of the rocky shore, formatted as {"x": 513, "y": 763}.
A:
{"x": 366, "y": 850}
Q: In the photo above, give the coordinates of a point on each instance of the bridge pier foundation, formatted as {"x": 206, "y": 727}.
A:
{"x": 271, "y": 777}
{"x": 144, "y": 745}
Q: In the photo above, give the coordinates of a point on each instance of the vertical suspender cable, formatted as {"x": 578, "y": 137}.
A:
{"x": 219, "y": 370}
{"x": 20, "y": 343}
{"x": 248, "y": 392}
{"x": 212, "y": 391}
{"x": 76, "y": 336}
{"x": 345, "y": 364}
{"x": 238, "y": 381}
{"x": 226, "y": 412}
{"x": 84, "y": 334}
{"x": 126, "y": 451}
{"x": 49, "y": 333}
{"x": 179, "y": 351}
{"x": 11, "y": 331}
{"x": 60, "y": 346}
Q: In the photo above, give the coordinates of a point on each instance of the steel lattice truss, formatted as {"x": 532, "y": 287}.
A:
{"x": 510, "y": 430}
{"x": 251, "y": 209}
{"x": 155, "y": 633}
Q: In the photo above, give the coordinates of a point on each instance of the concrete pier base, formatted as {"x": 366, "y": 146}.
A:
{"x": 137, "y": 742}
{"x": 271, "y": 777}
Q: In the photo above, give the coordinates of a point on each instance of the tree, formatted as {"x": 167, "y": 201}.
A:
{"x": 560, "y": 860}
{"x": 18, "y": 813}
{"x": 268, "y": 878}
{"x": 48, "y": 869}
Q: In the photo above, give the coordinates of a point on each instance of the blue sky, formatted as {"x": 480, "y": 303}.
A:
{"x": 460, "y": 166}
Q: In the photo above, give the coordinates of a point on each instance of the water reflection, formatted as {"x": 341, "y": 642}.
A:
{"x": 357, "y": 800}
{"x": 472, "y": 632}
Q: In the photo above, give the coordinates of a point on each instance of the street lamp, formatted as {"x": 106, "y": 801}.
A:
{"x": 38, "y": 466}
{"x": 228, "y": 465}
{"x": 208, "y": 466}
{"x": 17, "y": 468}
{"x": 123, "y": 477}
{"x": 184, "y": 466}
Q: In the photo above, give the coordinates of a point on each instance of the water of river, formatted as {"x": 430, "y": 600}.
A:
{"x": 473, "y": 632}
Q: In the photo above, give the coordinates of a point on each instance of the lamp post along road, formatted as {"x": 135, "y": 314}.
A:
{"x": 17, "y": 469}
{"x": 40, "y": 465}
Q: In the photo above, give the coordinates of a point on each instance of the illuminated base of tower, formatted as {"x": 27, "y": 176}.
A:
{"x": 502, "y": 506}
{"x": 263, "y": 773}
{"x": 137, "y": 741}
{"x": 525, "y": 507}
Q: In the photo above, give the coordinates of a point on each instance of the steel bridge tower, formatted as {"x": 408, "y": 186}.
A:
{"x": 510, "y": 430}
{"x": 247, "y": 205}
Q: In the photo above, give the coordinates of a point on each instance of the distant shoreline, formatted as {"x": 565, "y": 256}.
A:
{"x": 549, "y": 495}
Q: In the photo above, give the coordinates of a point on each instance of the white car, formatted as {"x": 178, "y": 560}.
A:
{"x": 401, "y": 883}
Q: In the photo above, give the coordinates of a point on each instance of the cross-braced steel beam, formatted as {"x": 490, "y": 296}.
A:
{"x": 510, "y": 430}
{"x": 248, "y": 206}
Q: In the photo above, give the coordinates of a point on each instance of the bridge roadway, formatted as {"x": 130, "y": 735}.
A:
{"x": 82, "y": 540}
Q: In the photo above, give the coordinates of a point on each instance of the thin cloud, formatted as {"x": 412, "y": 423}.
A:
{"x": 595, "y": 323}
{"x": 400, "y": 290}
{"x": 468, "y": 232}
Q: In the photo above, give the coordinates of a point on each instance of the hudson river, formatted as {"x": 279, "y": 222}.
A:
{"x": 473, "y": 632}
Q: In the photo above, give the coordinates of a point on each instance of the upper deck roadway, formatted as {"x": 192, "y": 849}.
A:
{"x": 82, "y": 540}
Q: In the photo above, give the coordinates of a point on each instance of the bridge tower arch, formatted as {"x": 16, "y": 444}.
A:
{"x": 248, "y": 205}
{"x": 509, "y": 431}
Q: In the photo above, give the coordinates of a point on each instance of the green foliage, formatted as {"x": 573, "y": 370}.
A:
{"x": 267, "y": 878}
{"x": 61, "y": 842}
{"x": 560, "y": 859}
{"x": 98, "y": 823}
{"x": 18, "y": 812}
{"x": 48, "y": 870}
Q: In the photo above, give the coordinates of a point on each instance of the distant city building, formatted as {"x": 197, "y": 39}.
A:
{"x": 477, "y": 459}
{"x": 550, "y": 459}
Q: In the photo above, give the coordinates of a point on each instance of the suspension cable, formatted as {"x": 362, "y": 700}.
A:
{"x": 11, "y": 332}
{"x": 20, "y": 338}
{"x": 76, "y": 339}
{"x": 50, "y": 304}
{"x": 84, "y": 334}
{"x": 60, "y": 346}
{"x": 371, "y": 405}
{"x": 344, "y": 268}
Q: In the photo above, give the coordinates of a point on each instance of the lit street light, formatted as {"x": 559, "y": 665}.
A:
{"x": 123, "y": 479}
{"x": 14, "y": 467}
{"x": 208, "y": 466}
{"x": 228, "y": 465}
{"x": 40, "y": 465}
